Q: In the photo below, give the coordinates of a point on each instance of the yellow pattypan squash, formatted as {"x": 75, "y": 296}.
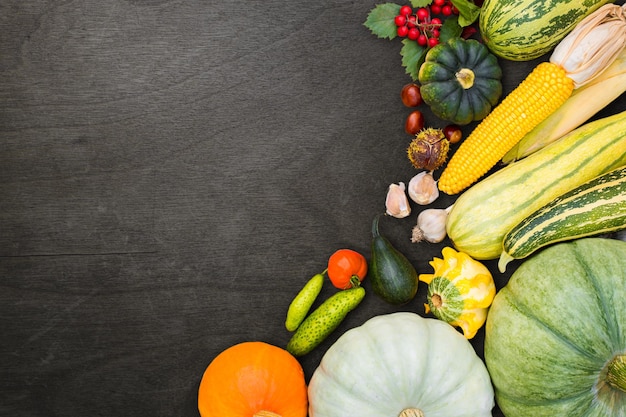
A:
{"x": 460, "y": 291}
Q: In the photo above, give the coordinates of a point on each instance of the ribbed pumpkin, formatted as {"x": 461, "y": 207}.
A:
{"x": 401, "y": 365}
{"x": 253, "y": 379}
{"x": 460, "y": 80}
{"x": 555, "y": 341}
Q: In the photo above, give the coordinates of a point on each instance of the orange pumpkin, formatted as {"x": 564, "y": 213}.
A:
{"x": 253, "y": 379}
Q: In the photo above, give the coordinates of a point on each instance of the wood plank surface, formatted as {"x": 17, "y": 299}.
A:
{"x": 171, "y": 173}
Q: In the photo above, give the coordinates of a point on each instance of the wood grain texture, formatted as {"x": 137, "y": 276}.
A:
{"x": 171, "y": 173}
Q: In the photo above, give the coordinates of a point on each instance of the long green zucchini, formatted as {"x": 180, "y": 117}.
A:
{"x": 598, "y": 206}
{"x": 485, "y": 212}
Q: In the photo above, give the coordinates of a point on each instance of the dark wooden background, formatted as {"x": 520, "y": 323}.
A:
{"x": 172, "y": 172}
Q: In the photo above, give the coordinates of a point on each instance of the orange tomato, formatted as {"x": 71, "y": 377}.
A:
{"x": 346, "y": 268}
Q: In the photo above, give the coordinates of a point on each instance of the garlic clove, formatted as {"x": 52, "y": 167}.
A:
{"x": 397, "y": 203}
{"x": 431, "y": 226}
{"x": 423, "y": 188}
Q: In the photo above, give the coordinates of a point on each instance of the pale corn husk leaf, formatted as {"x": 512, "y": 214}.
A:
{"x": 593, "y": 44}
{"x": 584, "y": 103}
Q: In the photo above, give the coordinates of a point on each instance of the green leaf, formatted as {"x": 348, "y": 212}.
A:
{"x": 420, "y": 3}
{"x": 468, "y": 12}
{"x": 380, "y": 20}
{"x": 450, "y": 29}
{"x": 412, "y": 57}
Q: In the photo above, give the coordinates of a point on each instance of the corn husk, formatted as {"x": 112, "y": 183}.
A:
{"x": 584, "y": 103}
{"x": 593, "y": 45}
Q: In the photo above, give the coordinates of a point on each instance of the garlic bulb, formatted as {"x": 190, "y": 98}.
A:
{"x": 431, "y": 226}
{"x": 397, "y": 203}
{"x": 423, "y": 188}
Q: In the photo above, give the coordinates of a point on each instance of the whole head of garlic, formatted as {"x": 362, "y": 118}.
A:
{"x": 397, "y": 204}
{"x": 431, "y": 226}
{"x": 423, "y": 188}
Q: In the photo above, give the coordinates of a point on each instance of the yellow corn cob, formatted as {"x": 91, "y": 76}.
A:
{"x": 581, "y": 56}
{"x": 545, "y": 89}
{"x": 584, "y": 103}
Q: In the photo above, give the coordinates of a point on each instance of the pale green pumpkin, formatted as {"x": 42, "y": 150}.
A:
{"x": 555, "y": 341}
{"x": 401, "y": 365}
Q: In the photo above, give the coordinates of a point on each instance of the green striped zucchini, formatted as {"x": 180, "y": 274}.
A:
{"x": 597, "y": 206}
{"x": 521, "y": 30}
{"x": 485, "y": 212}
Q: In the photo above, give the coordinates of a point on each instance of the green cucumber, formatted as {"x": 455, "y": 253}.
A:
{"x": 595, "y": 207}
{"x": 301, "y": 304}
{"x": 323, "y": 320}
{"x": 392, "y": 275}
{"x": 521, "y": 30}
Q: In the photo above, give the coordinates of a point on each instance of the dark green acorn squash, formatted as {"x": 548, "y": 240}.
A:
{"x": 460, "y": 80}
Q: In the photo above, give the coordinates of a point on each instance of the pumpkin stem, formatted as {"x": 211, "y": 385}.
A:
{"x": 411, "y": 412}
{"x": 265, "y": 413}
{"x": 465, "y": 76}
{"x": 616, "y": 372}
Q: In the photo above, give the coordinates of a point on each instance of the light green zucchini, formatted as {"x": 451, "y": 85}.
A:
{"x": 598, "y": 206}
{"x": 485, "y": 212}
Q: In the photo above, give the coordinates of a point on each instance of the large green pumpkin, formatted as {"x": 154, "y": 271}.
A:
{"x": 555, "y": 342}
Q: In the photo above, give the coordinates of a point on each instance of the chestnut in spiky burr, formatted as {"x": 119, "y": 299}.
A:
{"x": 429, "y": 149}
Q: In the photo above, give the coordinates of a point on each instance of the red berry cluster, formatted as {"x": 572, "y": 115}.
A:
{"x": 421, "y": 26}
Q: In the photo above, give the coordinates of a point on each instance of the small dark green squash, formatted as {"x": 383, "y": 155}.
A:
{"x": 392, "y": 275}
{"x": 460, "y": 80}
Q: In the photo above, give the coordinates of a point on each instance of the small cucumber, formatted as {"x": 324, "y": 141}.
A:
{"x": 323, "y": 320}
{"x": 393, "y": 277}
{"x": 301, "y": 304}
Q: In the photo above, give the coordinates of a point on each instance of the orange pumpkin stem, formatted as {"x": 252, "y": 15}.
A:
{"x": 265, "y": 413}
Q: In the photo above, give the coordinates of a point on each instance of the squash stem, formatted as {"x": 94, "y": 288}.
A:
{"x": 375, "y": 226}
{"x": 436, "y": 300}
{"x": 616, "y": 372}
{"x": 465, "y": 77}
{"x": 411, "y": 412}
